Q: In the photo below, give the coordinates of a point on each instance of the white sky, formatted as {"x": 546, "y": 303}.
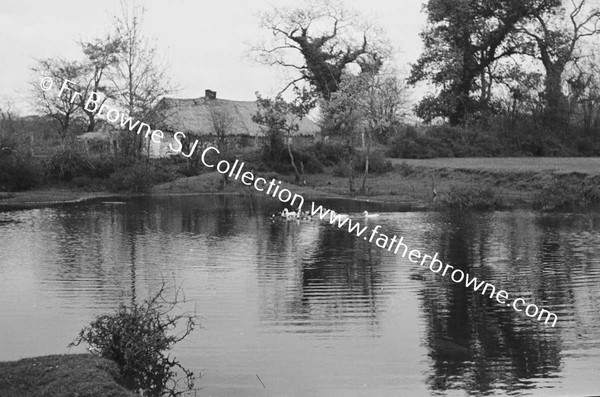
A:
{"x": 205, "y": 43}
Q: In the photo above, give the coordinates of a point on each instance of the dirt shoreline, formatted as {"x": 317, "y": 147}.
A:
{"x": 48, "y": 197}
{"x": 61, "y": 375}
{"x": 410, "y": 184}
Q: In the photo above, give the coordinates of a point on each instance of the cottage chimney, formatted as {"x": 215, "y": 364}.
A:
{"x": 210, "y": 94}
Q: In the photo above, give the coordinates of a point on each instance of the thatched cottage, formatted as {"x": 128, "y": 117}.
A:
{"x": 104, "y": 139}
{"x": 200, "y": 118}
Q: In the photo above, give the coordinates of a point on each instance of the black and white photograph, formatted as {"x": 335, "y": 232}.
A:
{"x": 307, "y": 198}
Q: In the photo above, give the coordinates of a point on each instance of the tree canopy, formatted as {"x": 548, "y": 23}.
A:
{"x": 318, "y": 40}
{"x": 464, "y": 38}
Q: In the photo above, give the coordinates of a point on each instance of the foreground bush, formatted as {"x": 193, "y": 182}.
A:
{"x": 565, "y": 195}
{"x": 138, "y": 339}
{"x": 472, "y": 197}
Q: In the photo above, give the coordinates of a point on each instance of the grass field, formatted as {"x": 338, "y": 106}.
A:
{"x": 562, "y": 165}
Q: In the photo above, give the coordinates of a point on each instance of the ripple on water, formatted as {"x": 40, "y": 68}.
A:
{"x": 310, "y": 308}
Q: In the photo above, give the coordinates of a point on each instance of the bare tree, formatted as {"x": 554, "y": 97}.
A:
{"x": 140, "y": 79}
{"x": 584, "y": 85}
{"x": 559, "y": 35}
{"x": 367, "y": 106}
{"x": 101, "y": 56}
{"x": 317, "y": 40}
{"x": 7, "y": 120}
{"x": 64, "y": 108}
{"x": 343, "y": 119}
{"x": 384, "y": 103}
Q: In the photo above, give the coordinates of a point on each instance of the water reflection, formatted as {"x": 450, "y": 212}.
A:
{"x": 312, "y": 309}
{"x": 478, "y": 345}
{"x": 316, "y": 278}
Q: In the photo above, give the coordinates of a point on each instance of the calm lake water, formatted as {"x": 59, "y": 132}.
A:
{"x": 307, "y": 307}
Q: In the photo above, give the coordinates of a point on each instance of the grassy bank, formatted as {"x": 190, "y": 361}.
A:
{"x": 61, "y": 375}
{"x": 541, "y": 183}
{"x": 479, "y": 183}
{"x": 47, "y": 197}
{"x": 559, "y": 165}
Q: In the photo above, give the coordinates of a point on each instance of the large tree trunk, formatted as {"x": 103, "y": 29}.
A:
{"x": 463, "y": 93}
{"x": 553, "y": 92}
{"x": 462, "y": 89}
{"x": 555, "y": 99}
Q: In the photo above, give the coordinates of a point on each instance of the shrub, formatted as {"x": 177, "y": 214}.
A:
{"x": 446, "y": 141}
{"x": 472, "y": 197}
{"x": 82, "y": 181}
{"x": 419, "y": 146}
{"x": 103, "y": 166}
{"x": 329, "y": 153}
{"x": 138, "y": 178}
{"x": 161, "y": 174}
{"x": 282, "y": 163}
{"x": 378, "y": 164}
{"x": 341, "y": 169}
{"x": 585, "y": 146}
{"x": 67, "y": 164}
{"x": 135, "y": 179}
{"x": 406, "y": 170}
{"x": 18, "y": 171}
{"x": 187, "y": 170}
{"x": 312, "y": 165}
{"x": 137, "y": 338}
{"x": 565, "y": 195}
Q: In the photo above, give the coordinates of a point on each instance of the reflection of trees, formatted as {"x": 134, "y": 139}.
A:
{"x": 317, "y": 275}
{"x": 89, "y": 251}
{"x": 117, "y": 252}
{"x": 475, "y": 344}
{"x": 569, "y": 252}
{"x": 224, "y": 222}
{"x": 321, "y": 278}
{"x": 216, "y": 215}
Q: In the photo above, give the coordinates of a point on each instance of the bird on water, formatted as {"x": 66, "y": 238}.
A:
{"x": 367, "y": 215}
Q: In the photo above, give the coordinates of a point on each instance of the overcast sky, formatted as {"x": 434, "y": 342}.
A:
{"x": 205, "y": 43}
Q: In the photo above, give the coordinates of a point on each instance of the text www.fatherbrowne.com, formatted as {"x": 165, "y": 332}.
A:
{"x": 396, "y": 244}
{"x": 276, "y": 190}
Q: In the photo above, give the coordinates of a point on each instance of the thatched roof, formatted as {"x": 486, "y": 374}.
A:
{"x": 195, "y": 116}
